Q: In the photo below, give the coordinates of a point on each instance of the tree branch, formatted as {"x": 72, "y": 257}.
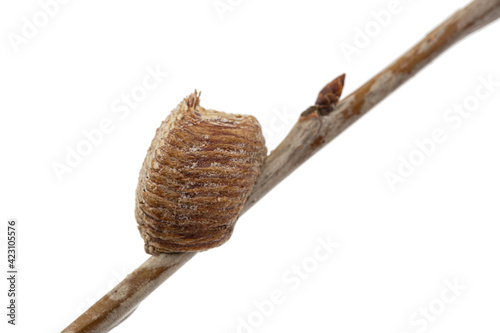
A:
{"x": 312, "y": 133}
{"x": 317, "y": 126}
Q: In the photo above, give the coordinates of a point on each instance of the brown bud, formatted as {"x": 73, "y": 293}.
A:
{"x": 197, "y": 175}
{"x": 330, "y": 94}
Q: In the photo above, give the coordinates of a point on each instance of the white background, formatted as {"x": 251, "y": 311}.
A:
{"x": 78, "y": 235}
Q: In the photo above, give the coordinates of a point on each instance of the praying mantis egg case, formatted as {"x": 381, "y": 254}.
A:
{"x": 196, "y": 178}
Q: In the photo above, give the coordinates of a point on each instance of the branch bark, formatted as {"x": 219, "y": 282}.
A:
{"x": 317, "y": 126}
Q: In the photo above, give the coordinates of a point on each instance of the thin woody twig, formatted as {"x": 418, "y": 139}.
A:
{"x": 313, "y": 132}
{"x": 317, "y": 126}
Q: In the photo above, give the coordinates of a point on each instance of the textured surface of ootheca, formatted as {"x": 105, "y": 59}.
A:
{"x": 197, "y": 175}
